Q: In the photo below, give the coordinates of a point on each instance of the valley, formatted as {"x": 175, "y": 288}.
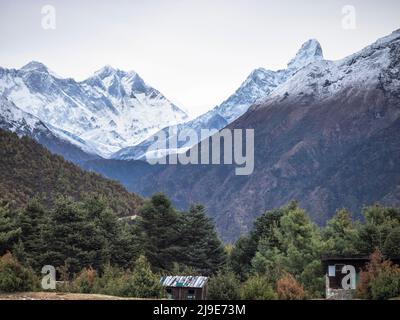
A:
{"x": 326, "y": 134}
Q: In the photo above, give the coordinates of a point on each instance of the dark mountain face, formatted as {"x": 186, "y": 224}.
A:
{"x": 300, "y": 155}
{"x": 63, "y": 148}
{"x": 328, "y": 138}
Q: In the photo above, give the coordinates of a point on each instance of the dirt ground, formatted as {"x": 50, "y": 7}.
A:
{"x": 56, "y": 296}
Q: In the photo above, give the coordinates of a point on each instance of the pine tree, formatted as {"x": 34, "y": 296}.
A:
{"x": 73, "y": 240}
{"x": 9, "y": 231}
{"x": 241, "y": 256}
{"x": 379, "y": 223}
{"x": 340, "y": 235}
{"x": 391, "y": 246}
{"x": 160, "y": 232}
{"x": 33, "y": 221}
{"x": 246, "y": 247}
{"x": 296, "y": 247}
{"x": 225, "y": 285}
{"x": 121, "y": 241}
{"x": 202, "y": 249}
{"x": 143, "y": 283}
{"x": 126, "y": 246}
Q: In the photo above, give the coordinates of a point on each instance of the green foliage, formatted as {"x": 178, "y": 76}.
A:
{"x": 159, "y": 225}
{"x": 121, "y": 240}
{"x": 380, "y": 280}
{"x": 182, "y": 270}
{"x": 340, "y": 235}
{"x": 139, "y": 283}
{"x": 83, "y": 237}
{"x": 33, "y": 221}
{"x": 15, "y": 277}
{"x": 293, "y": 245}
{"x": 386, "y": 285}
{"x": 111, "y": 282}
{"x": 73, "y": 238}
{"x": 202, "y": 250}
{"x": 85, "y": 281}
{"x": 143, "y": 283}
{"x": 241, "y": 256}
{"x": 9, "y": 231}
{"x": 391, "y": 247}
{"x": 379, "y": 223}
{"x": 80, "y": 235}
{"x": 225, "y": 285}
{"x": 258, "y": 288}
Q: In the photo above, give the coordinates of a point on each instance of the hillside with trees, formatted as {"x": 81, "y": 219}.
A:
{"x": 54, "y": 213}
{"x": 28, "y": 170}
{"x": 94, "y": 252}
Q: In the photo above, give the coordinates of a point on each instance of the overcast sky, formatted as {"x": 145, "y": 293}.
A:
{"x": 196, "y": 52}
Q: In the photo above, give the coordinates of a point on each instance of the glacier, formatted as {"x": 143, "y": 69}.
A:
{"x": 110, "y": 110}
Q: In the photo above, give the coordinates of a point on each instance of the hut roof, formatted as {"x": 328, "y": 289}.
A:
{"x": 184, "y": 281}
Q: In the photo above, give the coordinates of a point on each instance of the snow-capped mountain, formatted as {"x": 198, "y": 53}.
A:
{"x": 261, "y": 82}
{"x": 15, "y": 120}
{"x": 111, "y": 110}
{"x": 258, "y": 85}
{"x": 375, "y": 65}
{"x": 24, "y": 124}
{"x": 328, "y": 137}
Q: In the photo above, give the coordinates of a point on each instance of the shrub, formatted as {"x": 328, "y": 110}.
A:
{"x": 289, "y": 289}
{"x": 14, "y": 277}
{"x": 84, "y": 282}
{"x": 391, "y": 246}
{"x": 224, "y": 286}
{"x": 258, "y": 288}
{"x": 143, "y": 283}
{"x": 387, "y": 284}
{"x": 380, "y": 280}
{"x": 111, "y": 281}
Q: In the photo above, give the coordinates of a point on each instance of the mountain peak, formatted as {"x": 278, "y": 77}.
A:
{"x": 106, "y": 71}
{"x": 309, "y": 52}
{"x": 260, "y": 72}
{"x": 35, "y": 66}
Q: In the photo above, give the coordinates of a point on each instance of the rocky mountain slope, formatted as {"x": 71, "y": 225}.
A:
{"x": 258, "y": 85}
{"x": 328, "y": 137}
{"x": 24, "y": 124}
{"x": 111, "y": 110}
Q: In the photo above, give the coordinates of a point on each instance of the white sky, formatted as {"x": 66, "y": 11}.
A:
{"x": 196, "y": 52}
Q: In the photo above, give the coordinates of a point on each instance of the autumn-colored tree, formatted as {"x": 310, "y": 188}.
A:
{"x": 85, "y": 280}
{"x": 288, "y": 288}
{"x": 14, "y": 277}
{"x": 380, "y": 279}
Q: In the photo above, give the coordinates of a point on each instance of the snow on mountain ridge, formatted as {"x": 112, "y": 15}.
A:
{"x": 258, "y": 85}
{"x": 369, "y": 67}
{"x": 110, "y": 110}
{"x": 24, "y": 124}
{"x": 309, "y": 52}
